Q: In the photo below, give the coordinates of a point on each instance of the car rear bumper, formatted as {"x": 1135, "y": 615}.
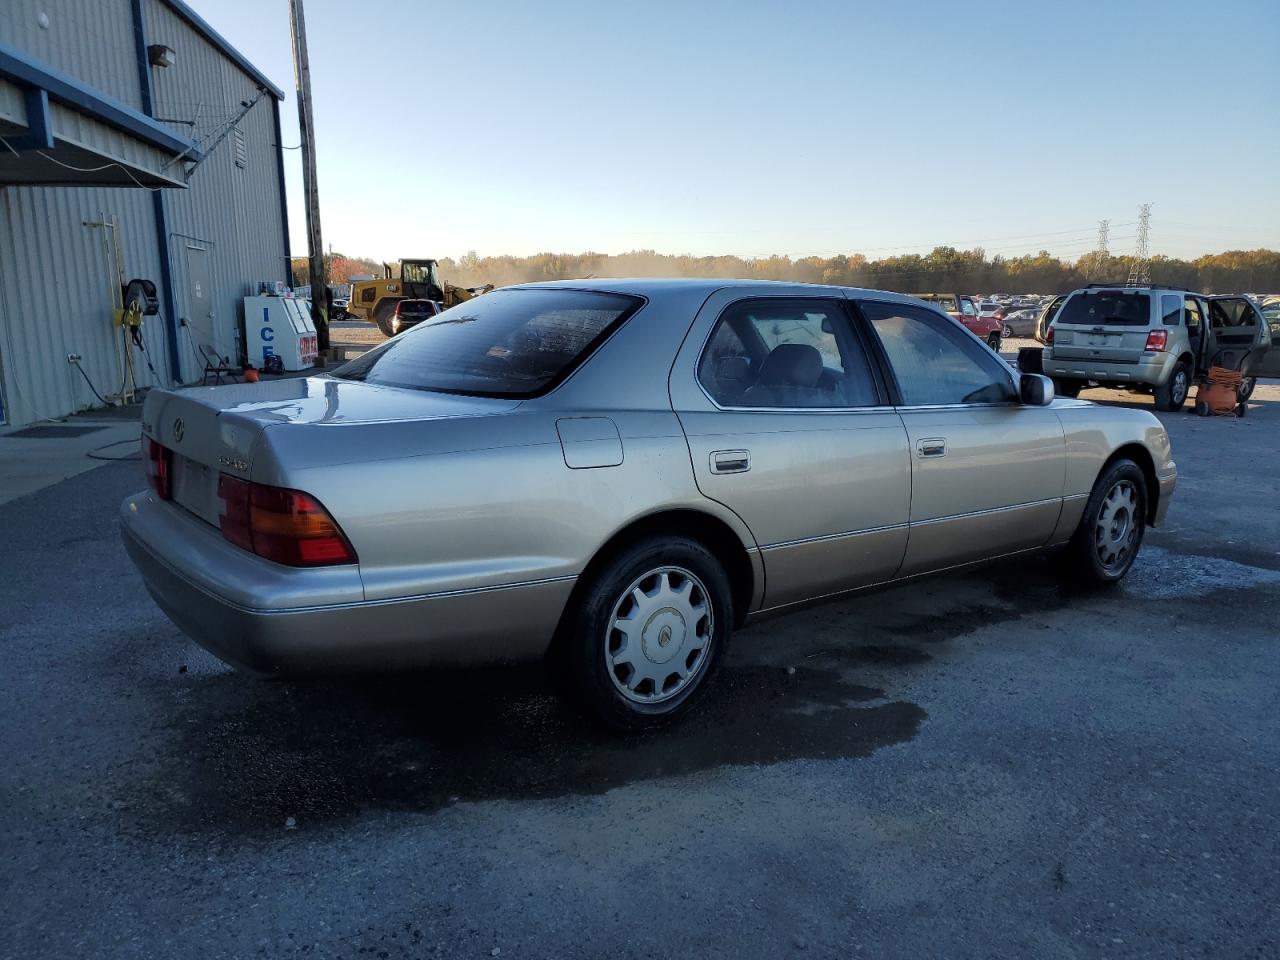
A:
{"x": 317, "y": 621}
{"x": 1151, "y": 369}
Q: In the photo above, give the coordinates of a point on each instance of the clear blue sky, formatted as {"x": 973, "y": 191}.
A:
{"x": 799, "y": 128}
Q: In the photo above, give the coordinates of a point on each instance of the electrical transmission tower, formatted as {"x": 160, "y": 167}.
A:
{"x": 1099, "y": 262}
{"x": 1140, "y": 272}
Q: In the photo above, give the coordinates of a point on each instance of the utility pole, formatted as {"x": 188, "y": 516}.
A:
{"x": 306, "y": 127}
{"x": 1100, "y": 252}
{"x": 1140, "y": 272}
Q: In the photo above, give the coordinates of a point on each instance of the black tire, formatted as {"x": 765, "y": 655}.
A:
{"x": 589, "y": 634}
{"x": 1202, "y": 408}
{"x": 1103, "y": 548}
{"x": 1172, "y": 394}
{"x": 1007, "y": 332}
{"x": 1246, "y": 388}
{"x": 382, "y": 316}
{"x": 1067, "y": 388}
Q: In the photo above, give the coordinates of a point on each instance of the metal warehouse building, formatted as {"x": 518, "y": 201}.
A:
{"x": 135, "y": 142}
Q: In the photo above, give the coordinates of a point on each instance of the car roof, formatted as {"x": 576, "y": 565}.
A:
{"x": 656, "y": 286}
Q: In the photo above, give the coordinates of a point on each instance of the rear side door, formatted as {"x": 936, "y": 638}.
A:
{"x": 788, "y": 425}
{"x": 987, "y": 472}
{"x": 1237, "y": 325}
{"x": 1046, "y": 316}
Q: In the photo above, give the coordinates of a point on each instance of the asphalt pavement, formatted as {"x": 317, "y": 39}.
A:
{"x": 986, "y": 765}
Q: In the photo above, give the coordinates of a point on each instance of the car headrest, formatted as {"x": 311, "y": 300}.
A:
{"x": 733, "y": 368}
{"x": 792, "y": 365}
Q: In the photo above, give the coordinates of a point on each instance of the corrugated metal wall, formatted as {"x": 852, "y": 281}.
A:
{"x": 54, "y": 271}
{"x": 91, "y": 40}
{"x": 232, "y": 212}
{"x": 56, "y": 276}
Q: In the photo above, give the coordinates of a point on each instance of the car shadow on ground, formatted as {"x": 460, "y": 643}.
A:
{"x": 249, "y": 755}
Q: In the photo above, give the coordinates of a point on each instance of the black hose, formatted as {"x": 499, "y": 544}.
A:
{"x": 136, "y": 455}
{"x": 102, "y": 400}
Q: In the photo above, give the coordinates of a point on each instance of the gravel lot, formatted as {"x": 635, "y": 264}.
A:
{"x": 970, "y": 766}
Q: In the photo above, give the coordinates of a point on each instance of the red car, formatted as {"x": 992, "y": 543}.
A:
{"x": 964, "y": 311}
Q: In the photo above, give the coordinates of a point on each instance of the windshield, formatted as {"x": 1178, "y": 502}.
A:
{"x": 510, "y": 343}
{"x": 1107, "y": 308}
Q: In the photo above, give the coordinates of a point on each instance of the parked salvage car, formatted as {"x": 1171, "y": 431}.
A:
{"x": 410, "y": 313}
{"x": 962, "y": 309}
{"x": 614, "y": 475}
{"x": 1021, "y": 323}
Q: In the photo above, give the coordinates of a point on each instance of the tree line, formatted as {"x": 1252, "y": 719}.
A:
{"x": 943, "y": 270}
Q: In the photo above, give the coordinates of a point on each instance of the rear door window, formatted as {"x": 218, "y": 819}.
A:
{"x": 786, "y": 353}
{"x": 1171, "y": 309}
{"x": 1106, "y": 308}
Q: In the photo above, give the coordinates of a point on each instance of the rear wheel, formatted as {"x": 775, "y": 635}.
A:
{"x": 1110, "y": 533}
{"x": 1067, "y": 388}
{"x": 1245, "y": 390}
{"x": 649, "y": 631}
{"x": 1172, "y": 394}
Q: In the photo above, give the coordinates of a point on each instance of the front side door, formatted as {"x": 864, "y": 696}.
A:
{"x": 788, "y": 425}
{"x": 987, "y": 472}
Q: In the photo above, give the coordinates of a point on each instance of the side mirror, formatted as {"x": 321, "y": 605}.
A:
{"x": 1035, "y": 389}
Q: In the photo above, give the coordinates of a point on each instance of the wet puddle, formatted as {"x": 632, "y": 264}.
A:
{"x": 322, "y": 752}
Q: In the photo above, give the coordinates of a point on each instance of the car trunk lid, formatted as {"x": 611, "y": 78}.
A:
{"x": 215, "y": 430}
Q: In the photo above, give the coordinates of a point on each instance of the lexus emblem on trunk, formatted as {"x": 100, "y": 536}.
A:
{"x": 177, "y": 429}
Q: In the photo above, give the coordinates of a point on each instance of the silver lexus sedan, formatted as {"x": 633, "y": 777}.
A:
{"x": 613, "y": 475}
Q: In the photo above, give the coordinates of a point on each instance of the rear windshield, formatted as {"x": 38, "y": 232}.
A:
{"x": 508, "y": 343}
{"x": 1106, "y": 308}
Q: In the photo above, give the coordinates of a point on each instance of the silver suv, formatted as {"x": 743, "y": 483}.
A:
{"x": 1155, "y": 339}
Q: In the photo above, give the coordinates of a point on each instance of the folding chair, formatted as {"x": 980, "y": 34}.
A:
{"x": 215, "y": 365}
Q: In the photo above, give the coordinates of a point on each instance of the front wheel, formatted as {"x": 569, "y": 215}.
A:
{"x": 1172, "y": 394}
{"x": 649, "y": 631}
{"x": 1245, "y": 390}
{"x": 384, "y": 315}
{"x": 1007, "y": 332}
{"x": 1110, "y": 533}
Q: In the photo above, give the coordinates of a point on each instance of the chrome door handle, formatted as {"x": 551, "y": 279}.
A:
{"x": 935, "y": 447}
{"x": 730, "y": 461}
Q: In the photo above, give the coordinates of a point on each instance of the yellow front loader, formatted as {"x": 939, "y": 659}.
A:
{"x": 375, "y": 300}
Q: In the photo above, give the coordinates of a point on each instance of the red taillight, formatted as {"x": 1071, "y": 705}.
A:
{"x": 287, "y": 526}
{"x": 159, "y": 461}
{"x": 234, "y": 519}
{"x": 1048, "y": 335}
{"x": 1157, "y": 340}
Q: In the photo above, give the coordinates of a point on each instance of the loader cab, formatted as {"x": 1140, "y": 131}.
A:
{"x": 420, "y": 280}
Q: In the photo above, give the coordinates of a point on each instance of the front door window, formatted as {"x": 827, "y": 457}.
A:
{"x": 935, "y": 362}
